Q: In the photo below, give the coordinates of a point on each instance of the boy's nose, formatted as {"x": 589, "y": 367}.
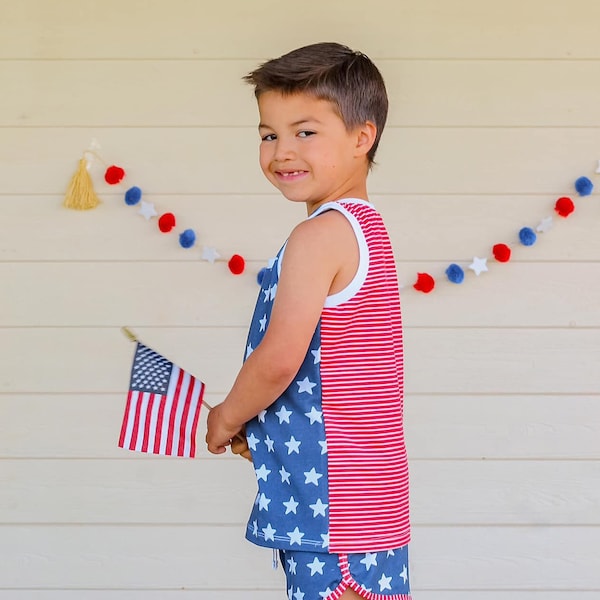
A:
{"x": 284, "y": 150}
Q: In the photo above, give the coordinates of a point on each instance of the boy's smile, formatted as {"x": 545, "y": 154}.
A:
{"x": 307, "y": 152}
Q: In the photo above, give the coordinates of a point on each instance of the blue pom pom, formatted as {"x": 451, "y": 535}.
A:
{"x": 455, "y": 273}
{"x": 187, "y": 239}
{"x": 527, "y": 236}
{"x": 584, "y": 186}
{"x": 261, "y": 275}
{"x": 133, "y": 195}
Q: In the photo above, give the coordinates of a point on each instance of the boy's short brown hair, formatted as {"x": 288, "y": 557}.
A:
{"x": 329, "y": 71}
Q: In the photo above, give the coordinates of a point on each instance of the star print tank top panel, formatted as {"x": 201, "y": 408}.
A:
{"x": 329, "y": 454}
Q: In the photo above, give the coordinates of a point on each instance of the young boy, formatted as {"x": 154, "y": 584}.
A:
{"x": 320, "y": 394}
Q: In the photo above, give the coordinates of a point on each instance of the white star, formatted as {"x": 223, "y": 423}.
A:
{"x": 298, "y": 595}
{"x": 323, "y": 444}
{"x": 290, "y": 505}
{"x": 293, "y": 446}
{"x": 326, "y": 593}
{"x": 147, "y": 210}
{"x": 292, "y": 565}
{"x": 314, "y": 415}
{"x": 317, "y": 355}
{"x": 384, "y": 583}
{"x": 263, "y": 323}
{"x": 390, "y": 553}
{"x": 404, "y": 574}
{"x": 295, "y": 537}
{"x": 210, "y": 254}
{"x": 318, "y": 507}
{"x": 312, "y": 477}
{"x": 305, "y": 386}
{"x": 261, "y": 416}
{"x": 316, "y": 566}
{"x": 545, "y": 225}
{"x": 284, "y": 415}
{"x": 252, "y": 441}
{"x": 290, "y": 590}
{"x": 370, "y": 560}
{"x": 285, "y": 476}
{"x": 254, "y": 528}
{"x": 267, "y": 294}
{"x": 478, "y": 265}
{"x": 325, "y": 538}
{"x": 249, "y": 350}
{"x": 263, "y": 502}
{"x": 262, "y": 473}
{"x": 269, "y": 532}
{"x": 269, "y": 442}
{"x": 273, "y": 291}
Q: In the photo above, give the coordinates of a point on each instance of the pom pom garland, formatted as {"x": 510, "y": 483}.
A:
{"x": 501, "y": 252}
{"x": 425, "y": 283}
{"x": 261, "y": 275}
{"x": 564, "y": 207}
{"x": 133, "y": 195}
{"x": 584, "y": 186}
{"x": 187, "y": 239}
{"x": 236, "y": 264}
{"x": 114, "y": 175}
{"x": 527, "y": 236}
{"x": 455, "y": 273}
{"x": 166, "y": 222}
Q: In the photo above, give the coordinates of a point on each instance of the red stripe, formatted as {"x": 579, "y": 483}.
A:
{"x": 159, "y": 424}
{"x": 136, "y": 422}
{"x": 169, "y": 448}
{"x": 149, "y": 406}
{"x": 195, "y": 423}
{"x": 125, "y": 419}
{"x": 184, "y": 417}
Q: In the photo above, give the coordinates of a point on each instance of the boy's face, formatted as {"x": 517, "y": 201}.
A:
{"x": 306, "y": 151}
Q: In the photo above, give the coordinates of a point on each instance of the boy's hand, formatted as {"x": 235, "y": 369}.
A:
{"x": 239, "y": 445}
{"x": 220, "y": 433}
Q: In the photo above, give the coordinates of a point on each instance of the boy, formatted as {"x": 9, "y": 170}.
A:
{"x": 321, "y": 390}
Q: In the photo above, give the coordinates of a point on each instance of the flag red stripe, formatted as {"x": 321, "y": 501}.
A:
{"x": 184, "y": 417}
{"x": 169, "y": 448}
{"x": 136, "y": 424}
{"x": 125, "y": 420}
{"x": 159, "y": 424}
{"x": 148, "y": 419}
{"x": 195, "y": 423}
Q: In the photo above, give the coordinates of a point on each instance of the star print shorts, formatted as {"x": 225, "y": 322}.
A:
{"x": 374, "y": 575}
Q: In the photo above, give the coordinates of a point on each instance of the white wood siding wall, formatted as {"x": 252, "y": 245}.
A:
{"x": 495, "y": 110}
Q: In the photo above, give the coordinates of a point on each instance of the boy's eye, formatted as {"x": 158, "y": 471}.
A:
{"x": 306, "y": 134}
{"x": 269, "y": 137}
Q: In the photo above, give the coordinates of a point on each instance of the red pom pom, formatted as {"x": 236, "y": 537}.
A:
{"x": 564, "y": 206}
{"x": 114, "y": 175}
{"x": 425, "y": 283}
{"x": 166, "y": 222}
{"x": 501, "y": 252}
{"x": 237, "y": 264}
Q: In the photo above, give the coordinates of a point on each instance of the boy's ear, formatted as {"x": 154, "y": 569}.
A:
{"x": 366, "y": 134}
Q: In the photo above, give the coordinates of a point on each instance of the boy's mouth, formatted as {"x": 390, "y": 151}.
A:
{"x": 290, "y": 175}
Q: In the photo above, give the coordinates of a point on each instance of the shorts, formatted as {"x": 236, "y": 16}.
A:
{"x": 373, "y": 575}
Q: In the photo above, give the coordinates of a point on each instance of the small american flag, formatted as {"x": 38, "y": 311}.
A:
{"x": 163, "y": 406}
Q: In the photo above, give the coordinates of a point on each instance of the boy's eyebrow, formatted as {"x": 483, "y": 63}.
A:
{"x": 294, "y": 124}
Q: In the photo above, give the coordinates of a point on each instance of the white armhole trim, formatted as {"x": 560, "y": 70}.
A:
{"x": 363, "y": 255}
{"x": 279, "y": 259}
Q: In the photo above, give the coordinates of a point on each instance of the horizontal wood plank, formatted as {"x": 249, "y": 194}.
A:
{"x": 500, "y": 558}
{"x": 437, "y": 427}
{"x": 181, "y": 294}
{"x": 427, "y": 228}
{"x": 441, "y": 361}
{"x": 188, "y": 160}
{"x": 422, "y": 93}
{"x": 167, "y": 490}
{"x": 423, "y": 28}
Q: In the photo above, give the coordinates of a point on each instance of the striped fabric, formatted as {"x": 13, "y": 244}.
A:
{"x": 362, "y": 400}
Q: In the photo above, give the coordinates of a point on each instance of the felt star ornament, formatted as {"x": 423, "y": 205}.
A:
{"x": 545, "y": 225}
{"x": 147, "y": 210}
{"x": 479, "y": 265}
{"x": 210, "y": 254}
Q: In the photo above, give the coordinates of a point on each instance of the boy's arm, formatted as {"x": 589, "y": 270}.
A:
{"x": 321, "y": 253}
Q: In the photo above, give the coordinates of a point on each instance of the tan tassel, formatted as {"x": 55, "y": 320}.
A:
{"x": 80, "y": 193}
